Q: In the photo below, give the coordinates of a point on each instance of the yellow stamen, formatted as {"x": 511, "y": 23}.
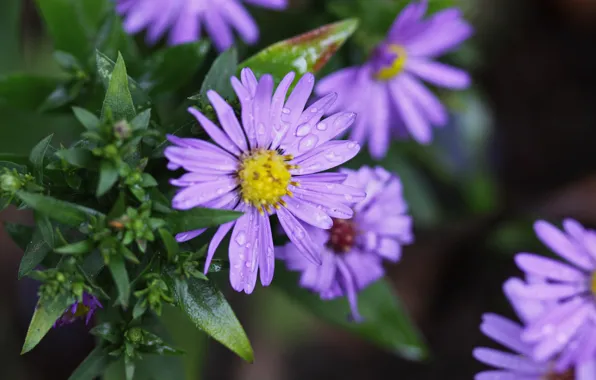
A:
{"x": 594, "y": 283}
{"x": 264, "y": 178}
{"x": 396, "y": 67}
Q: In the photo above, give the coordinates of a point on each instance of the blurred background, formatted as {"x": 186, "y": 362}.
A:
{"x": 520, "y": 147}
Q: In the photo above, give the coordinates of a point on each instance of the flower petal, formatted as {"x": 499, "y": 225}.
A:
{"x": 330, "y": 206}
{"x": 261, "y": 107}
{"x": 201, "y": 193}
{"x": 379, "y": 121}
{"x": 350, "y": 289}
{"x": 505, "y": 332}
{"x": 279, "y": 128}
{"x": 339, "y": 192}
{"x": 299, "y": 236}
{"x": 219, "y": 235}
{"x": 416, "y": 124}
{"x": 244, "y": 252}
{"x": 324, "y": 177}
{"x": 326, "y": 156}
{"x": 439, "y": 74}
{"x": 215, "y": 133}
{"x": 548, "y": 268}
{"x": 308, "y": 213}
{"x": 242, "y": 21}
{"x": 505, "y": 360}
{"x": 559, "y": 243}
{"x": 267, "y": 257}
{"x": 425, "y": 99}
{"x": 219, "y": 31}
{"x": 227, "y": 118}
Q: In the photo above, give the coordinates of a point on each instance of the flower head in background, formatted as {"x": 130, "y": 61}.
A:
{"x": 80, "y": 310}
{"x": 387, "y": 93}
{"x": 353, "y": 250}
{"x": 266, "y": 164}
{"x": 521, "y": 365}
{"x": 568, "y": 287}
{"x": 185, "y": 18}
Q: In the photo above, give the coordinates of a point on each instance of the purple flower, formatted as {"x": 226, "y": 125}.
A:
{"x": 268, "y": 164}
{"x": 521, "y": 365}
{"x": 79, "y": 310}
{"x": 568, "y": 287}
{"x": 185, "y": 18}
{"x": 387, "y": 93}
{"x": 352, "y": 251}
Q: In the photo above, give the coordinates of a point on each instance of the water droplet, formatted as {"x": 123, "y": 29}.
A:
{"x": 247, "y": 264}
{"x": 314, "y": 109}
{"x": 241, "y": 256}
{"x": 349, "y": 197}
{"x": 333, "y": 157}
{"x": 299, "y": 233}
{"x": 302, "y": 130}
{"x": 241, "y": 238}
{"x": 261, "y": 129}
{"x": 220, "y": 191}
{"x": 314, "y": 166}
{"x": 351, "y": 145}
{"x": 237, "y": 266}
{"x": 285, "y": 110}
{"x": 308, "y": 142}
{"x": 321, "y": 126}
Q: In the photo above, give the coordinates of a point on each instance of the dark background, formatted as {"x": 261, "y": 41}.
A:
{"x": 535, "y": 78}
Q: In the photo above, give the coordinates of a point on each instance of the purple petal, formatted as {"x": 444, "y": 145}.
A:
{"x": 261, "y": 108}
{"x": 338, "y": 192}
{"x": 326, "y": 156}
{"x": 439, "y": 74}
{"x": 337, "y": 81}
{"x": 244, "y": 252}
{"x": 548, "y": 268}
{"x": 273, "y": 4}
{"x": 416, "y": 124}
{"x": 323, "y": 177}
{"x": 350, "y": 290}
{"x": 426, "y": 100}
{"x": 308, "y": 213}
{"x": 279, "y": 128}
{"x": 444, "y": 31}
{"x": 191, "y": 158}
{"x": 295, "y": 105}
{"x": 330, "y": 206}
{"x": 228, "y": 120}
{"x": 201, "y": 193}
{"x": 408, "y": 17}
{"x": 503, "y": 375}
{"x": 548, "y": 324}
{"x": 548, "y": 291}
{"x": 505, "y": 332}
{"x": 185, "y": 28}
{"x": 237, "y": 16}
{"x": 218, "y": 29}
{"x": 189, "y": 235}
{"x": 298, "y": 235}
{"x": 366, "y": 268}
{"x": 586, "y": 370}
{"x": 219, "y": 235}
{"x": 559, "y": 243}
{"x": 379, "y": 121}
{"x": 505, "y": 360}
{"x": 214, "y": 132}
{"x": 267, "y": 257}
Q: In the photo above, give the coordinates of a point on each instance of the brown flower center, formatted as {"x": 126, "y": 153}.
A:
{"x": 341, "y": 235}
{"x": 567, "y": 375}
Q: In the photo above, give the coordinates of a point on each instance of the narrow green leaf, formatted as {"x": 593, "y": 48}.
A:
{"x": 119, "y": 207}
{"x": 148, "y": 180}
{"x": 385, "y": 324}
{"x": 37, "y": 156}
{"x": 172, "y": 67}
{"x": 47, "y": 230}
{"x": 204, "y": 304}
{"x": 118, "y": 97}
{"x": 93, "y": 264}
{"x": 76, "y": 248}
{"x": 61, "y": 211}
{"x": 36, "y": 251}
{"x": 108, "y": 175}
{"x": 20, "y": 234}
{"x": 129, "y": 368}
{"x": 139, "y": 309}
{"x": 93, "y": 366}
{"x": 105, "y": 67}
{"x": 141, "y": 121}
{"x": 120, "y": 275}
{"x": 170, "y": 243}
{"x": 79, "y": 157}
{"x": 218, "y": 77}
{"x": 197, "y": 218}
{"x": 87, "y": 119}
{"x": 106, "y": 331}
{"x": 44, "y": 317}
{"x": 308, "y": 52}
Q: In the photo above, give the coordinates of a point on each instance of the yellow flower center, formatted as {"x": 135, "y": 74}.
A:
{"x": 397, "y": 66}
{"x": 81, "y": 310}
{"x": 264, "y": 177}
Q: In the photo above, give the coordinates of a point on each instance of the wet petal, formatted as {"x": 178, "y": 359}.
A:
{"x": 267, "y": 257}
{"x": 261, "y": 107}
{"x": 326, "y": 156}
{"x": 214, "y": 132}
{"x": 548, "y": 268}
{"x": 244, "y": 252}
{"x": 308, "y": 213}
{"x": 299, "y": 236}
{"x": 228, "y": 120}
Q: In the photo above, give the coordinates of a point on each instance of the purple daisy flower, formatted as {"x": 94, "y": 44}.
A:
{"x": 568, "y": 287}
{"x": 521, "y": 365}
{"x": 268, "y": 164}
{"x": 352, "y": 251}
{"x": 79, "y": 310}
{"x": 185, "y": 18}
{"x": 386, "y": 91}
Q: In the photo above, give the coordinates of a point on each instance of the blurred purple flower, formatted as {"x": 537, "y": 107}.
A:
{"x": 387, "y": 93}
{"x": 185, "y": 19}
{"x": 266, "y": 165}
{"x": 569, "y": 288}
{"x": 352, "y": 251}
{"x": 80, "y": 310}
{"x": 521, "y": 365}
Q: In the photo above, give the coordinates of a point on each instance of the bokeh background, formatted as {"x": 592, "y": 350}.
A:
{"x": 520, "y": 147}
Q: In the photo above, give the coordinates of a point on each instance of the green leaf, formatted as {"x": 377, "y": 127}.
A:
{"x": 20, "y": 234}
{"x": 148, "y": 180}
{"x": 76, "y": 248}
{"x": 26, "y": 91}
{"x": 61, "y": 211}
{"x": 108, "y": 175}
{"x": 308, "y": 52}
{"x": 105, "y": 67}
{"x": 106, "y": 331}
{"x": 218, "y": 77}
{"x": 204, "y": 304}
{"x": 93, "y": 366}
{"x": 119, "y": 207}
{"x": 120, "y": 275}
{"x": 79, "y": 157}
{"x": 141, "y": 121}
{"x": 44, "y": 317}
{"x": 140, "y": 308}
{"x": 61, "y": 96}
{"x": 36, "y": 251}
{"x": 46, "y": 228}
{"x": 173, "y": 67}
{"x": 197, "y": 218}
{"x": 93, "y": 264}
{"x": 170, "y": 243}
{"x": 37, "y": 156}
{"x": 111, "y": 39}
{"x": 87, "y": 119}
{"x": 385, "y": 324}
{"x": 67, "y": 61}
{"x": 118, "y": 97}
{"x": 65, "y": 26}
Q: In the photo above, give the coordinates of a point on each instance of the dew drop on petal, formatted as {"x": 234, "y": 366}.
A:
{"x": 321, "y": 126}
{"x": 241, "y": 238}
{"x": 302, "y": 130}
{"x": 314, "y": 109}
{"x": 261, "y": 129}
{"x": 285, "y": 110}
{"x": 308, "y": 142}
